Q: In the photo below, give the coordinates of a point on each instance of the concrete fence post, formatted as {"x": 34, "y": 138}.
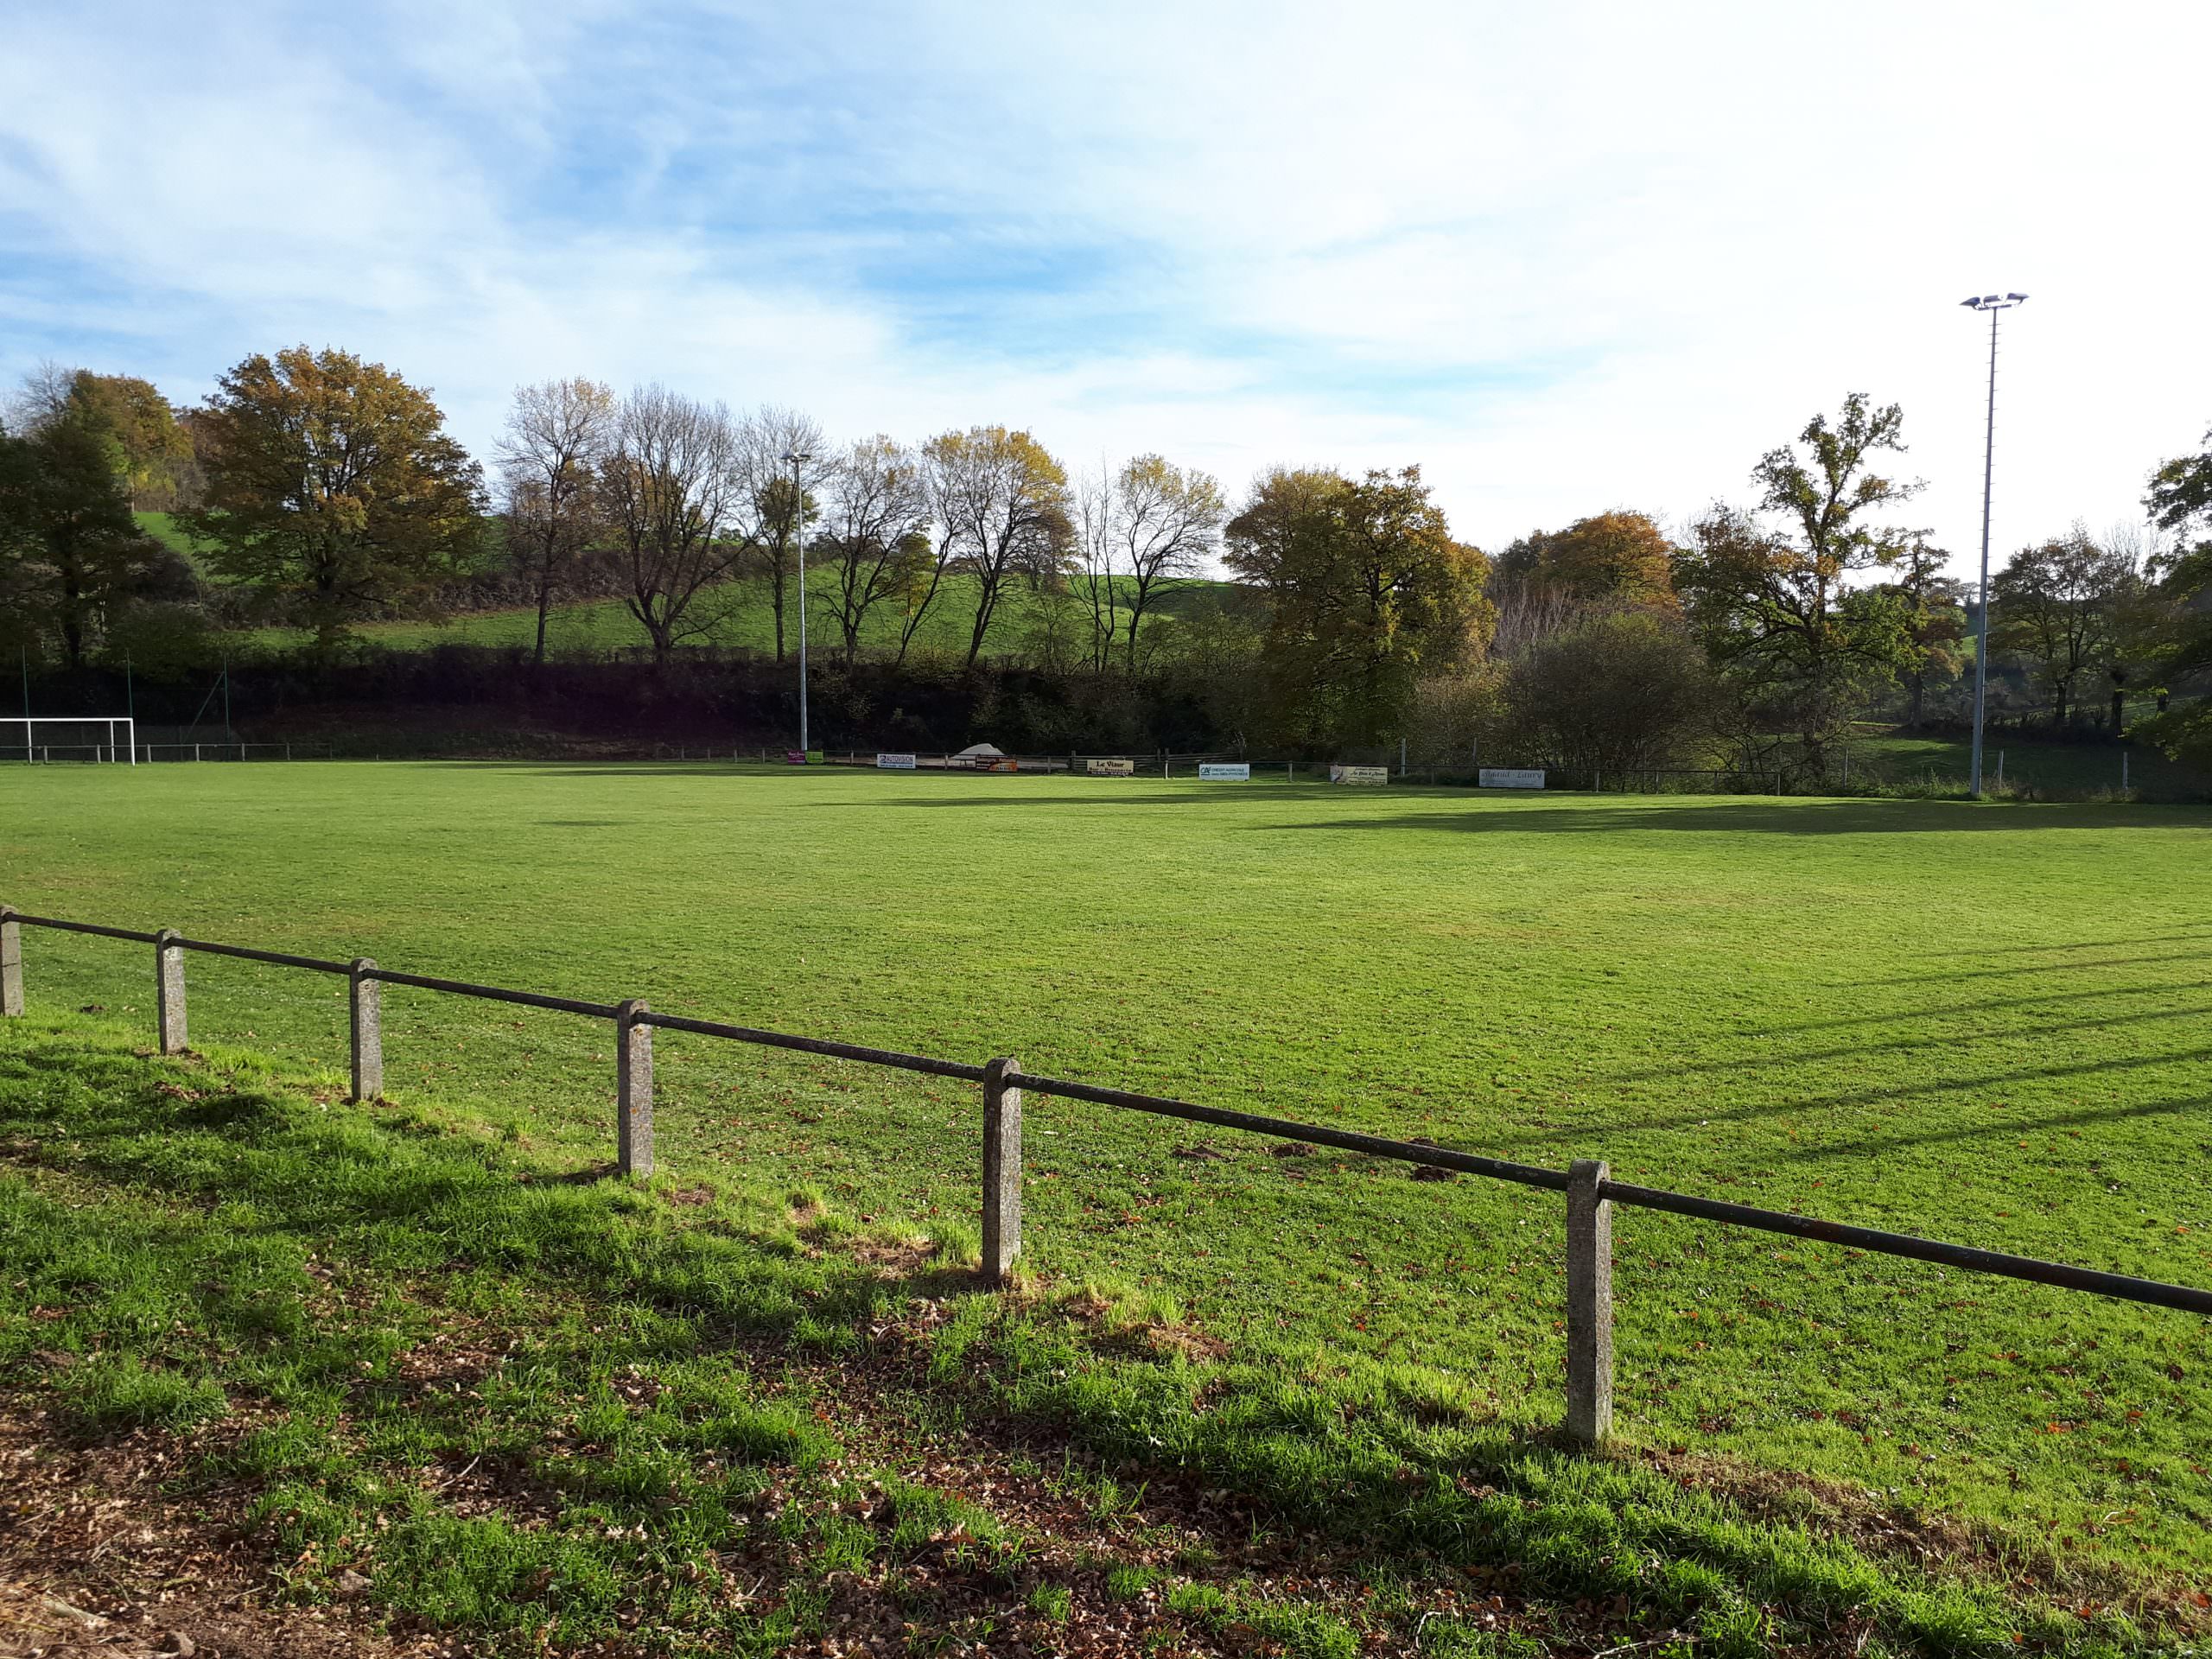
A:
{"x": 11, "y": 962}
{"x": 1589, "y": 1305}
{"x": 634, "y": 1090}
{"x": 365, "y": 996}
{"x": 169, "y": 990}
{"x": 1001, "y": 1168}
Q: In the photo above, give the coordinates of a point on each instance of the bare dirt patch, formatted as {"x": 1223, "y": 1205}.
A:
{"x": 111, "y": 1548}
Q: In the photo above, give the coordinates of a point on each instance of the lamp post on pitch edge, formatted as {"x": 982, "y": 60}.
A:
{"x": 797, "y": 459}
{"x": 1992, "y": 303}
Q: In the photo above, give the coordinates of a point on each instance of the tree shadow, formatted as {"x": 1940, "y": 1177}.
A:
{"x": 2014, "y": 973}
{"x": 1702, "y": 1117}
{"x": 2201, "y": 932}
{"x": 2071, "y": 994}
{"x": 2013, "y": 1129}
{"x": 1799, "y": 1057}
{"x": 1762, "y": 815}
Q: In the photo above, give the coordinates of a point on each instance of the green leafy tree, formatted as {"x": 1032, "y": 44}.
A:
{"x": 1369, "y": 592}
{"x": 1770, "y": 589}
{"x": 71, "y": 554}
{"x": 155, "y": 451}
{"x": 1932, "y": 606}
{"x": 2064, "y": 606}
{"x": 2176, "y": 636}
{"x": 1619, "y": 691}
{"x": 334, "y": 488}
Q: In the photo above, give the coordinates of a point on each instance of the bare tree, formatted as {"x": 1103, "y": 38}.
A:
{"x": 41, "y": 396}
{"x": 1097, "y": 545}
{"x": 549, "y": 459}
{"x": 1001, "y": 504}
{"x": 1168, "y": 520}
{"x": 669, "y": 489}
{"x": 876, "y": 530}
{"x": 773, "y": 511}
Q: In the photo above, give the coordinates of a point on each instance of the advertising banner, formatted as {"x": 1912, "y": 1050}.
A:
{"x": 1359, "y": 774}
{"x": 1509, "y": 777}
{"x": 894, "y": 762}
{"x": 1224, "y": 772}
{"x": 1110, "y": 768}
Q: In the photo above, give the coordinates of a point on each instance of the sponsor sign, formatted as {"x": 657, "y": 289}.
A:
{"x": 894, "y": 762}
{"x": 1509, "y": 777}
{"x": 796, "y": 757}
{"x": 1224, "y": 772}
{"x": 1359, "y": 774}
{"x": 1110, "y": 768}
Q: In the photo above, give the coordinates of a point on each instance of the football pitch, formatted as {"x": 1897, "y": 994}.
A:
{"x": 1987, "y": 1024}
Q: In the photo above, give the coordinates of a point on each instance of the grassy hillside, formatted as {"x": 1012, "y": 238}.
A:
{"x": 1983, "y": 1023}
{"x": 741, "y": 613}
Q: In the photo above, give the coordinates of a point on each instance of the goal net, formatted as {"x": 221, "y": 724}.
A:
{"x": 54, "y": 738}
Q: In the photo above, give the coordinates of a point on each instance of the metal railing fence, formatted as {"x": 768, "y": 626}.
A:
{"x": 1589, "y": 1190}
{"x": 100, "y": 753}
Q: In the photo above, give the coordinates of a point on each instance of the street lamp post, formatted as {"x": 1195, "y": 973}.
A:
{"x": 797, "y": 459}
{"x": 1992, "y": 303}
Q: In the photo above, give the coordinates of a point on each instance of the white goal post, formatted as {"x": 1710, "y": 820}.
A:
{"x": 19, "y": 737}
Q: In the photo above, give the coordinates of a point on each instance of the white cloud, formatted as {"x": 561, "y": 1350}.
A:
{"x": 1566, "y": 256}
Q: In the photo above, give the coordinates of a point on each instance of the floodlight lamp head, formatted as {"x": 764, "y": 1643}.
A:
{"x": 795, "y": 457}
{"x": 1974, "y": 302}
{"x": 2016, "y": 298}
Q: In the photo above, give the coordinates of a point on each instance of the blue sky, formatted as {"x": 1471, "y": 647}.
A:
{"x": 1566, "y": 257}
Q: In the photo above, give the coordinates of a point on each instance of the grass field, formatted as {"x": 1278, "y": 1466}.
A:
{"x": 1987, "y": 1024}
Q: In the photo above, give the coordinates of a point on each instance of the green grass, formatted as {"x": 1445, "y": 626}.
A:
{"x": 1986, "y": 1023}
{"x": 536, "y": 1412}
{"x": 164, "y": 528}
{"x": 740, "y": 613}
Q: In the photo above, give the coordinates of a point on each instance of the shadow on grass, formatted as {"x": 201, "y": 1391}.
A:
{"x": 2074, "y": 966}
{"x": 1697, "y": 1116}
{"x": 2201, "y": 933}
{"x": 1859, "y": 1050}
{"x": 1764, "y": 816}
{"x": 1965, "y": 1010}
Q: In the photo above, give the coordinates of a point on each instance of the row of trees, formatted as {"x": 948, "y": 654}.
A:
{"x": 321, "y": 490}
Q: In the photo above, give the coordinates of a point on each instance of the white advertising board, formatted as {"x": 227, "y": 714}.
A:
{"x": 895, "y": 762}
{"x": 1224, "y": 772}
{"x": 1359, "y": 774}
{"x": 1509, "y": 777}
{"x": 1110, "y": 768}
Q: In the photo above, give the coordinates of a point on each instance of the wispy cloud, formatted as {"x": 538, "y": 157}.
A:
{"x": 1566, "y": 256}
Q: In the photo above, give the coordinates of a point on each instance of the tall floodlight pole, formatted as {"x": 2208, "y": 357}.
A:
{"x": 1992, "y": 303}
{"x": 798, "y": 459}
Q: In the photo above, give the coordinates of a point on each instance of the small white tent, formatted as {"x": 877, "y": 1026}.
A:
{"x": 982, "y": 757}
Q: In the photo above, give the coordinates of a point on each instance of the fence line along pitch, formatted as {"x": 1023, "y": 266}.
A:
{"x": 1589, "y": 1188}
